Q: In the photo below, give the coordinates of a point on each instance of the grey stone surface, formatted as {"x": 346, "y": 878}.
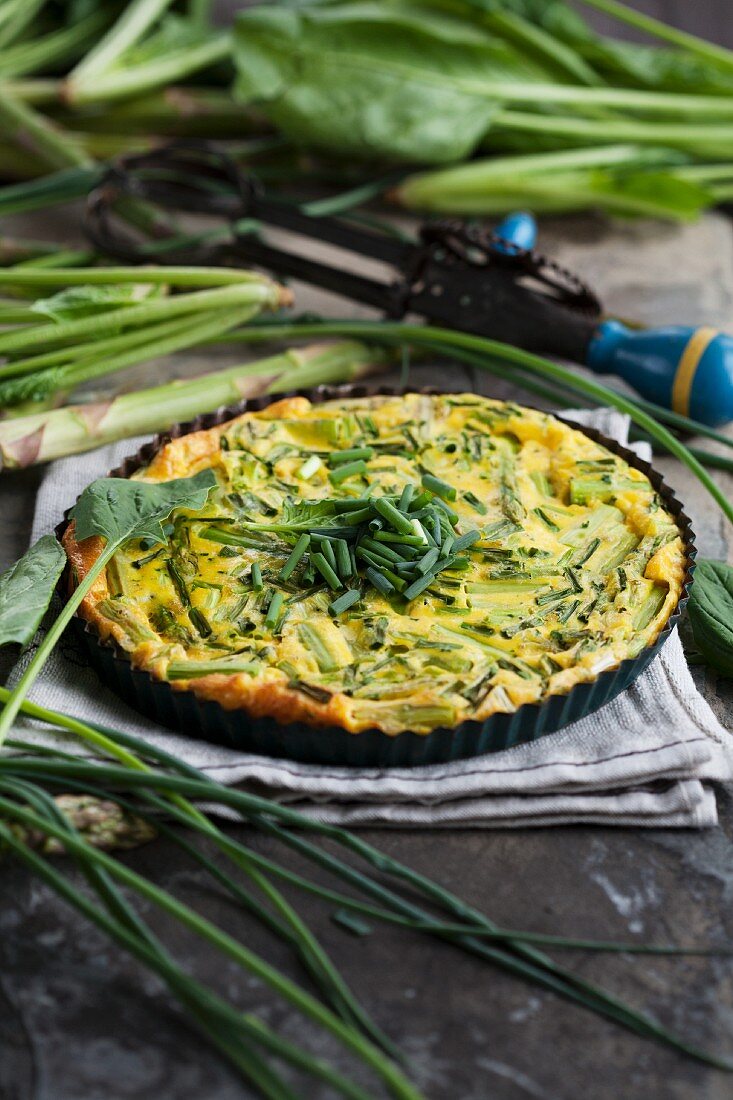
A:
{"x": 80, "y": 1021}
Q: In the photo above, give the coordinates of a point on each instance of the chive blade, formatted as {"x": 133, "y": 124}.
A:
{"x": 344, "y": 602}
{"x": 298, "y": 551}
{"x": 326, "y": 571}
{"x": 350, "y": 469}
{"x": 340, "y": 458}
{"x": 438, "y": 487}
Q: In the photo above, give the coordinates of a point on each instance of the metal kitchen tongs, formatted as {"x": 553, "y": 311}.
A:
{"x": 455, "y": 274}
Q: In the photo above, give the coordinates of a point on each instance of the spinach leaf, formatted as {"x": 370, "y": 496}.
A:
{"x": 26, "y": 590}
{"x": 399, "y": 82}
{"x": 711, "y": 613}
{"x": 118, "y": 510}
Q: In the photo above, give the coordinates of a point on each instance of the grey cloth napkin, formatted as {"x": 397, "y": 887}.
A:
{"x": 644, "y": 759}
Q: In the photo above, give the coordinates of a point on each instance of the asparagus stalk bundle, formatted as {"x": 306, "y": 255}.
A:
{"x": 29, "y": 440}
{"x": 97, "y": 324}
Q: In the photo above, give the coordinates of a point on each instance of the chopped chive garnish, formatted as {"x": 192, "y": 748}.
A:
{"x": 447, "y": 546}
{"x": 273, "y": 611}
{"x": 148, "y": 558}
{"x": 550, "y": 597}
{"x": 464, "y": 541}
{"x": 309, "y": 574}
{"x": 428, "y": 561}
{"x": 256, "y": 575}
{"x": 351, "y": 469}
{"x": 399, "y": 540}
{"x": 381, "y": 548}
{"x": 502, "y": 529}
{"x": 420, "y": 501}
{"x": 178, "y": 582}
{"x": 339, "y": 458}
{"x": 457, "y": 563}
{"x": 418, "y": 586}
{"x": 568, "y": 611}
{"x": 573, "y": 578}
{"x": 326, "y": 571}
{"x": 419, "y": 532}
{"x": 230, "y": 538}
{"x": 327, "y": 550}
{"x": 298, "y": 550}
{"x": 476, "y": 504}
{"x": 394, "y": 518}
{"x": 405, "y": 500}
{"x": 352, "y": 505}
{"x": 588, "y": 552}
{"x": 200, "y": 622}
{"x": 353, "y": 519}
{"x": 371, "y": 556}
{"x": 439, "y": 487}
{"x": 344, "y": 602}
{"x": 394, "y": 579}
{"x": 546, "y": 519}
{"x": 343, "y": 559}
{"x": 379, "y": 581}
{"x": 434, "y": 528}
{"x": 452, "y": 516}
{"x": 310, "y": 467}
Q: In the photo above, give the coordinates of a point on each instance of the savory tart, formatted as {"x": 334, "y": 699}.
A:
{"x": 392, "y": 563}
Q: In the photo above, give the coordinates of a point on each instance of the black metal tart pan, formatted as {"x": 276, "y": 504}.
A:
{"x": 183, "y": 711}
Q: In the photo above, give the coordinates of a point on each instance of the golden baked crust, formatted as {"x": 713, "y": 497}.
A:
{"x": 566, "y": 562}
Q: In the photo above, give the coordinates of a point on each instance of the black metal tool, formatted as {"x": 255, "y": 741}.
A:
{"x": 455, "y": 274}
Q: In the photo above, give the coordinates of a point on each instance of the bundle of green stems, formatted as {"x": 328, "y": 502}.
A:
{"x": 103, "y": 319}
{"x": 376, "y": 889}
{"x": 551, "y": 114}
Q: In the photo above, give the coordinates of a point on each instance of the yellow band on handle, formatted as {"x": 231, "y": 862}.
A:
{"x": 687, "y": 366}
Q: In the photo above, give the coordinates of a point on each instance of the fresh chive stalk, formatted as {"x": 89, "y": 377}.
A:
{"x": 273, "y": 611}
{"x": 311, "y": 466}
{"x": 340, "y": 458}
{"x": 349, "y": 469}
{"x": 344, "y": 602}
{"x": 580, "y": 991}
{"x": 298, "y": 551}
{"x": 327, "y": 571}
{"x": 439, "y": 487}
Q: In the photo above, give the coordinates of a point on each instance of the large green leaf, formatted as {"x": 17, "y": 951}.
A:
{"x": 711, "y": 613}
{"x": 120, "y": 509}
{"x": 395, "y": 82}
{"x": 26, "y": 590}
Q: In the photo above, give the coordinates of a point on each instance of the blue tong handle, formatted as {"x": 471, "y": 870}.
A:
{"x": 687, "y": 369}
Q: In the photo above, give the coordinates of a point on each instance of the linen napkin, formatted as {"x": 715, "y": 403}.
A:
{"x": 646, "y": 759}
